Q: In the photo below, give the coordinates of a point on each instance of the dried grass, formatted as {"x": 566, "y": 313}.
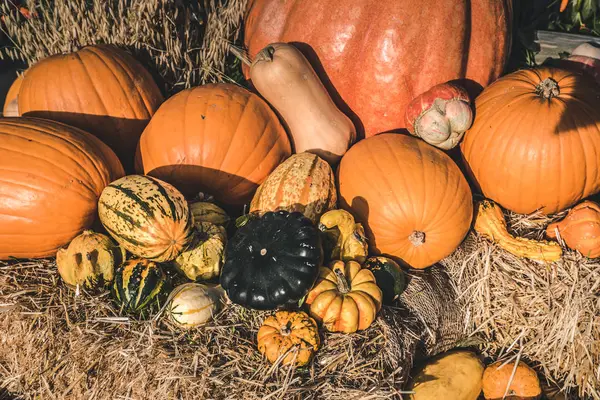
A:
{"x": 55, "y": 345}
{"x": 183, "y": 43}
{"x": 547, "y": 313}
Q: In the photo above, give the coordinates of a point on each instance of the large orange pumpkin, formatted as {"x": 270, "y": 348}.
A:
{"x": 100, "y": 89}
{"x": 50, "y": 181}
{"x": 536, "y": 139}
{"x": 412, "y": 199}
{"x": 377, "y": 55}
{"x": 218, "y": 139}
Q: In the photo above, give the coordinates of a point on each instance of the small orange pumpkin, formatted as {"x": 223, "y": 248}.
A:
{"x": 525, "y": 384}
{"x": 580, "y": 229}
{"x": 345, "y": 298}
{"x": 294, "y": 333}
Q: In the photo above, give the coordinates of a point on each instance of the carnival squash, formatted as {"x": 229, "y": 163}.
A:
{"x": 203, "y": 258}
{"x": 51, "y": 177}
{"x": 375, "y": 56}
{"x": 272, "y": 261}
{"x": 90, "y": 260}
{"x": 218, "y": 139}
{"x": 137, "y": 284}
{"x": 535, "y": 141}
{"x": 11, "y": 102}
{"x": 193, "y": 304}
{"x": 100, "y": 89}
{"x": 490, "y": 223}
{"x": 412, "y": 199}
{"x": 345, "y": 298}
{"x": 146, "y": 216}
{"x": 285, "y": 78}
{"x": 303, "y": 183}
{"x": 580, "y": 229}
{"x": 498, "y": 381}
{"x": 440, "y": 116}
{"x": 293, "y": 336}
{"x": 455, "y": 375}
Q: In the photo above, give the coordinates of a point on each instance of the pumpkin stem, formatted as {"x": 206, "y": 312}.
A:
{"x": 548, "y": 89}
{"x": 286, "y": 330}
{"x": 263, "y": 252}
{"x": 342, "y": 283}
{"x": 417, "y": 238}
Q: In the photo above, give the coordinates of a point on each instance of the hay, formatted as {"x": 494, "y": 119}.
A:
{"x": 183, "y": 43}
{"x": 56, "y": 344}
{"x": 549, "y": 314}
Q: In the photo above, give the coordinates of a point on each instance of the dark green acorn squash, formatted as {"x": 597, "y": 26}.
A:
{"x": 389, "y": 276}
{"x": 272, "y": 261}
{"x": 137, "y": 283}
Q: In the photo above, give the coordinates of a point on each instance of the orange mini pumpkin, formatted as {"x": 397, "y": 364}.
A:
{"x": 293, "y": 334}
{"x": 580, "y": 229}
{"x": 345, "y": 298}
{"x": 525, "y": 384}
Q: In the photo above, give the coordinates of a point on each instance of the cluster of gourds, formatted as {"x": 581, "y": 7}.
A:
{"x": 96, "y": 137}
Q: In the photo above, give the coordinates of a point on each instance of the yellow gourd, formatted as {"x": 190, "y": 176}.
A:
{"x": 90, "y": 259}
{"x": 345, "y": 237}
{"x": 455, "y": 375}
{"x": 203, "y": 259}
{"x": 209, "y": 212}
{"x": 490, "y": 223}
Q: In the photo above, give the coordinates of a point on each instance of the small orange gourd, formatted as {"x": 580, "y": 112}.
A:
{"x": 580, "y": 229}
{"x": 293, "y": 335}
{"x": 497, "y": 382}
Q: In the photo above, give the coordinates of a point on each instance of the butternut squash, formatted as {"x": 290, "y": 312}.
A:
{"x": 490, "y": 224}
{"x": 285, "y": 78}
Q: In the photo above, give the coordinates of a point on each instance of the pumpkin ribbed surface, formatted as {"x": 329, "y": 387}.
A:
{"x": 51, "y": 177}
{"x": 536, "y": 139}
{"x": 100, "y": 89}
{"x": 146, "y": 216}
{"x": 412, "y": 199}
{"x": 303, "y": 183}
{"x": 217, "y": 139}
{"x": 375, "y": 56}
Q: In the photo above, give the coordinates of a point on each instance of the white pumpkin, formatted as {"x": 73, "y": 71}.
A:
{"x": 194, "y": 304}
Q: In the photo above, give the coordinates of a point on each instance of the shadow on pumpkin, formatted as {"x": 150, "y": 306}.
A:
{"x": 120, "y": 134}
{"x": 232, "y": 191}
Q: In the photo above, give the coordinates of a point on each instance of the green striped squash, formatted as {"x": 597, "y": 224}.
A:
{"x": 137, "y": 283}
{"x": 389, "y": 276}
{"x": 146, "y": 216}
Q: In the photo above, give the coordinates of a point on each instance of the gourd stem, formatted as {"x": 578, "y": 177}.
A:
{"x": 548, "y": 89}
{"x": 342, "y": 283}
{"x": 241, "y": 55}
{"x": 417, "y": 238}
{"x": 266, "y": 54}
{"x": 286, "y": 330}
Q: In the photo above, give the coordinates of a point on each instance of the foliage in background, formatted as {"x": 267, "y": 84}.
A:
{"x": 579, "y": 16}
{"x": 184, "y": 43}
